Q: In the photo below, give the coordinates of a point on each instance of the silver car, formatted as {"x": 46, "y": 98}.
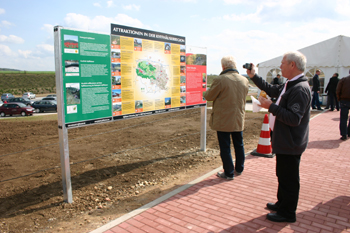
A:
{"x": 29, "y": 95}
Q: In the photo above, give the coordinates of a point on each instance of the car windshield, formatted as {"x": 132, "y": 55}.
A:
{"x": 26, "y": 99}
{"x": 22, "y": 105}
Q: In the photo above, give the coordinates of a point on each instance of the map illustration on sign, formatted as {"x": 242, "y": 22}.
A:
{"x": 152, "y": 75}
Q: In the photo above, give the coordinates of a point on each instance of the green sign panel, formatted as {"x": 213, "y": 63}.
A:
{"x": 86, "y": 76}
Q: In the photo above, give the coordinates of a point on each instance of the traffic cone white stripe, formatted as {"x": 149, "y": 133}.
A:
{"x": 264, "y": 141}
{"x": 265, "y": 127}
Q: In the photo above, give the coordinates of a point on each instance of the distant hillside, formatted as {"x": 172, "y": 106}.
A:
{"x": 18, "y": 82}
{"x": 7, "y": 69}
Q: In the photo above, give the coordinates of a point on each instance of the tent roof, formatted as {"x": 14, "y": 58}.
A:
{"x": 334, "y": 52}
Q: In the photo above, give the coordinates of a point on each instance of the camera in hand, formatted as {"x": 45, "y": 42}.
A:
{"x": 247, "y": 66}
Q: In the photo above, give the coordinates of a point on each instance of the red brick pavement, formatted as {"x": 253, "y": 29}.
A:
{"x": 217, "y": 205}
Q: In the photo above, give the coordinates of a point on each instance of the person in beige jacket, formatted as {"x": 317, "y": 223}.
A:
{"x": 228, "y": 93}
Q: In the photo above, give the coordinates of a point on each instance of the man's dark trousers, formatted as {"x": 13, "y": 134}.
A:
{"x": 344, "y": 115}
{"x": 224, "y": 139}
{"x": 287, "y": 171}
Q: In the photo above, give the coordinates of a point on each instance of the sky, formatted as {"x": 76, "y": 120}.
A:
{"x": 250, "y": 30}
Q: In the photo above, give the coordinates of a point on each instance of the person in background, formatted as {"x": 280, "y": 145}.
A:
{"x": 331, "y": 92}
{"x": 290, "y": 124}
{"x": 276, "y": 81}
{"x": 316, "y": 90}
{"x": 343, "y": 95}
{"x": 228, "y": 93}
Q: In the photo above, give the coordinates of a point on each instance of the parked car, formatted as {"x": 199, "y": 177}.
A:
{"x": 7, "y": 96}
{"x": 29, "y": 95}
{"x": 45, "y": 105}
{"x": 52, "y": 96}
{"x": 15, "y": 109}
{"x": 49, "y": 98}
{"x": 24, "y": 100}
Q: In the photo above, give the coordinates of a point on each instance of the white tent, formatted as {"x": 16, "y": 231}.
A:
{"x": 330, "y": 56}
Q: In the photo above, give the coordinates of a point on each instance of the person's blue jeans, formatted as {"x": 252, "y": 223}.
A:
{"x": 315, "y": 101}
{"x": 344, "y": 126}
{"x": 224, "y": 139}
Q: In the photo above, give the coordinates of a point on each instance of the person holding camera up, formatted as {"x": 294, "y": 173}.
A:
{"x": 228, "y": 93}
{"x": 289, "y": 120}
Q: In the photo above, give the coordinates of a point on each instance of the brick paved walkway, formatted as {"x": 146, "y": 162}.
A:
{"x": 217, "y": 205}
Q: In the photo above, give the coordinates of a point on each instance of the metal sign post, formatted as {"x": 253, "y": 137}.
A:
{"x": 203, "y": 128}
{"x": 62, "y": 129}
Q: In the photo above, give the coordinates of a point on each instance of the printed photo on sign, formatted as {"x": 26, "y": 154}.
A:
{"x": 167, "y": 48}
{"x": 115, "y": 55}
{"x": 115, "y": 42}
{"x": 72, "y": 109}
{"x": 168, "y": 102}
{"x": 71, "y": 66}
{"x": 71, "y": 44}
{"x": 138, "y": 106}
{"x": 72, "y": 93}
{"x": 137, "y": 44}
{"x": 116, "y": 80}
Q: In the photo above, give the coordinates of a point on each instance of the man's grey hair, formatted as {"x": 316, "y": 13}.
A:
{"x": 228, "y": 62}
{"x": 298, "y": 58}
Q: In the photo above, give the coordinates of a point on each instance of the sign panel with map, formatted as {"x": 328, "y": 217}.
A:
{"x": 149, "y": 67}
{"x": 131, "y": 72}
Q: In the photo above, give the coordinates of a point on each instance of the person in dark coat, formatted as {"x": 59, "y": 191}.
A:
{"x": 316, "y": 90}
{"x": 331, "y": 91}
{"x": 290, "y": 124}
{"x": 343, "y": 95}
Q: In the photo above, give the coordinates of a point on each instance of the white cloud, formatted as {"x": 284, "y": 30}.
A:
{"x": 12, "y": 39}
{"x": 5, "y": 50}
{"x": 110, "y": 3}
{"x": 254, "y": 17}
{"x": 132, "y": 7}
{"x": 5, "y": 23}
{"x": 100, "y": 23}
{"x": 2, "y": 11}
{"x": 342, "y": 7}
{"x": 96, "y": 4}
{"x": 48, "y": 28}
{"x": 24, "y": 53}
{"x": 46, "y": 48}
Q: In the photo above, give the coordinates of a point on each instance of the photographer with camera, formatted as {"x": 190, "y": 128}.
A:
{"x": 228, "y": 93}
{"x": 289, "y": 120}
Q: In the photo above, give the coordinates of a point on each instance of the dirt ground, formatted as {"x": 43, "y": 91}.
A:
{"x": 115, "y": 167}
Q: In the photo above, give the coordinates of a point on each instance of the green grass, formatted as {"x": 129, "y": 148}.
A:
{"x": 36, "y": 82}
{"x": 51, "y": 117}
{"x": 26, "y": 72}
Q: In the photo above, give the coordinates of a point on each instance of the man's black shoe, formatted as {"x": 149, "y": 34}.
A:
{"x": 272, "y": 206}
{"x": 344, "y": 138}
{"x": 320, "y": 109}
{"x": 274, "y": 217}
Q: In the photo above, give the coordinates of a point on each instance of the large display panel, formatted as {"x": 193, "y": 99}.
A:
{"x": 131, "y": 72}
{"x": 86, "y": 76}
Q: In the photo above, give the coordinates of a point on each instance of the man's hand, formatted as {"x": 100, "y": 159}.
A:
{"x": 264, "y": 103}
{"x": 251, "y": 72}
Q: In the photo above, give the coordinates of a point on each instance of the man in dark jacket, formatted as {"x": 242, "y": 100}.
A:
{"x": 331, "y": 91}
{"x": 290, "y": 124}
{"x": 343, "y": 95}
{"x": 316, "y": 90}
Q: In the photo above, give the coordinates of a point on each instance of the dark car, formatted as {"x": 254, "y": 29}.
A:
{"x": 45, "y": 105}
{"x": 24, "y": 100}
{"x": 7, "y": 96}
{"x": 16, "y": 109}
{"x": 49, "y": 98}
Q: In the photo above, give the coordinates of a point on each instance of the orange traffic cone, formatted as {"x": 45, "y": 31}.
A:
{"x": 264, "y": 146}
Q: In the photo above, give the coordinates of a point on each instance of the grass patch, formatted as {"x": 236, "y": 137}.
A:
{"x": 51, "y": 117}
